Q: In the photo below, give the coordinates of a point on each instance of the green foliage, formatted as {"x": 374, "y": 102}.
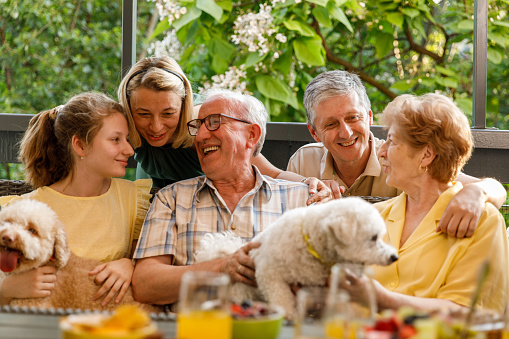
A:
{"x": 412, "y": 46}
{"x": 52, "y": 50}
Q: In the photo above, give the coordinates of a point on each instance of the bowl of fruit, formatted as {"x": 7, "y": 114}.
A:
{"x": 256, "y": 320}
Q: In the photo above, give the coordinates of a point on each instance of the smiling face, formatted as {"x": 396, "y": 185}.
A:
{"x": 109, "y": 151}
{"x": 156, "y": 114}
{"x": 399, "y": 161}
{"x": 342, "y": 125}
{"x": 227, "y": 149}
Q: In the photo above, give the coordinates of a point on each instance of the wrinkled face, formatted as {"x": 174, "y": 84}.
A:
{"x": 342, "y": 125}
{"x": 29, "y": 231}
{"x": 109, "y": 151}
{"x": 156, "y": 115}
{"x": 398, "y": 160}
{"x": 357, "y": 231}
{"x": 222, "y": 151}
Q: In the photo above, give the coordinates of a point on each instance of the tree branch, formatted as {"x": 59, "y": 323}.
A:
{"x": 422, "y": 50}
{"x": 351, "y": 68}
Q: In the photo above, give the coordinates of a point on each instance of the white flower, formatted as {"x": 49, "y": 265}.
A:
{"x": 169, "y": 46}
{"x": 232, "y": 79}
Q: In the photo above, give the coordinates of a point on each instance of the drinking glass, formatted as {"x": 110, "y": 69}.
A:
{"x": 356, "y": 282}
{"x": 204, "y": 306}
{"x": 311, "y": 312}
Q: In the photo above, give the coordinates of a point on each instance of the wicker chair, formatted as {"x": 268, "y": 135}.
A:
{"x": 14, "y": 187}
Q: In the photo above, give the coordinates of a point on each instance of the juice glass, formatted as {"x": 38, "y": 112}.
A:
{"x": 203, "y": 310}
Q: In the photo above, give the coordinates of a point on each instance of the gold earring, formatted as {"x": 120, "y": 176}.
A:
{"x": 425, "y": 169}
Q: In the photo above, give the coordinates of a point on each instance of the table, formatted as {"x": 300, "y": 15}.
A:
{"x": 25, "y": 323}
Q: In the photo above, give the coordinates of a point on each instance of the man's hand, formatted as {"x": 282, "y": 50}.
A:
{"x": 239, "y": 266}
{"x": 462, "y": 215}
{"x": 323, "y": 191}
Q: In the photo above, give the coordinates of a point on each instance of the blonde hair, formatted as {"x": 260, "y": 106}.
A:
{"x": 158, "y": 74}
{"x": 433, "y": 119}
{"x": 46, "y": 148}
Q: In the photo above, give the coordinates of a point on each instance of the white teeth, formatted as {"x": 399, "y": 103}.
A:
{"x": 208, "y": 149}
{"x": 348, "y": 143}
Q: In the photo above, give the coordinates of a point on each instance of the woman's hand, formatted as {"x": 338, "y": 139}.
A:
{"x": 114, "y": 278}
{"x": 239, "y": 266}
{"x": 36, "y": 283}
{"x": 463, "y": 212}
{"x": 323, "y": 191}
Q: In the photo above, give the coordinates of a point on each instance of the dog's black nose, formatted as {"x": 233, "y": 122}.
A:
{"x": 7, "y": 239}
{"x": 394, "y": 257}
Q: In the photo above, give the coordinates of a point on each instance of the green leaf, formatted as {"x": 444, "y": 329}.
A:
{"x": 467, "y": 25}
{"x": 226, "y": 5}
{"x": 191, "y": 34}
{"x": 319, "y": 2}
{"x": 300, "y": 27}
{"x": 276, "y": 89}
{"x": 210, "y": 7}
{"x": 310, "y": 51}
{"x": 402, "y": 85}
{"x": 283, "y": 63}
{"x": 193, "y": 13}
{"x": 388, "y": 6}
{"x": 396, "y": 19}
{"x": 221, "y": 47}
{"x": 445, "y": 71}
{"x": 495, "y": 54}
{"x": 500, "y": 23}
{"x": 410, "y": 12}
{"x": 465, "y": 104}
{"x": 446, "y": 82}
{"x": 338, "y": 14}
{"x": 499, "y": 39}
{"x": 160, "y": 28}
{"x": 383, "y": 44}
{"x": 219, "y": 64}
{"x": 254, "y": 58}
{"x": 322, "y": 16}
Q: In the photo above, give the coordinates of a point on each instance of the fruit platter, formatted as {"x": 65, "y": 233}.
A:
{"x": 407, "y": 323}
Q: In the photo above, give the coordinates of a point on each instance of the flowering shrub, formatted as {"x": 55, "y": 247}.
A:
{"x": 273, "y": 48}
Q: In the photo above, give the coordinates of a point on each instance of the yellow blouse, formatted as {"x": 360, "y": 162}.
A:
{"x": 434, "y": 265}
{"x": 101, "y": 227}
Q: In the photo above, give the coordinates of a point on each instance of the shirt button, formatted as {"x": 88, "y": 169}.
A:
{"x": 233, "y": 227}
{"x": 393, "y": 284}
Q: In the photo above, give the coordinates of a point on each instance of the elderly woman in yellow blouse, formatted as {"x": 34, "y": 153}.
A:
{"x": 428, "y": 143}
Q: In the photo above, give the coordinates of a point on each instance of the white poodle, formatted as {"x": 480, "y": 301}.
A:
{"x": 31, "y": 235}
{"x": 301, "y": 246}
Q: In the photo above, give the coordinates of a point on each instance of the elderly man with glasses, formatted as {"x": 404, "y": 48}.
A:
{"x": 231, "y": 196}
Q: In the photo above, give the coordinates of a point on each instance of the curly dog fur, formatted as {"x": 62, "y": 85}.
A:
{"x": 343, "y": 230}
{"x": 31, "y": 235}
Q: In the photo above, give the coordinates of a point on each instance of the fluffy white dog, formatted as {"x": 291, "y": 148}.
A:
{"x": 301, "y": 246}
{"x": 31, "y": 235}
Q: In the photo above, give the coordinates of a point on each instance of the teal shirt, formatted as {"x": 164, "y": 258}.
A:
{"x": 166, "y": 165}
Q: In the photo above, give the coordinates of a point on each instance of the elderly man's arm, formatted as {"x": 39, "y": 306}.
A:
{"x": 320, "y": 191}
{"x": 157, "y": 281}
{"x": 464, "y": 211}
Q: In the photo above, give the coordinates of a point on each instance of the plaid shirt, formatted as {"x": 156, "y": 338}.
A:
{"x": 182, "y": 213}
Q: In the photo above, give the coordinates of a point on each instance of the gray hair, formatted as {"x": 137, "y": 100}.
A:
{"x": 245, "y": 107}
{"x": 330, "y": 84}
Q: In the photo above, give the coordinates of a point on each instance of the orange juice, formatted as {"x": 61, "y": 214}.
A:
{"x": 335, "y": 328}
{"x": 214, "y": 324}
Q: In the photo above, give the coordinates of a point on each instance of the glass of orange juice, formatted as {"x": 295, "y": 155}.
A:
{"x": 203, "y": 310}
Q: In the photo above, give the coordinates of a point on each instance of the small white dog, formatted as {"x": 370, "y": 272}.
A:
{"x": 301, "y": 246}
{"x": 31, "y": 235}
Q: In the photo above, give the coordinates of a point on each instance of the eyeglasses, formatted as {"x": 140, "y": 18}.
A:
{"x": 212, "y": 122}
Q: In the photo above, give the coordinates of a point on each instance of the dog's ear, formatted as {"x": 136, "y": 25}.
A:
{"x": 61, "y": 250}
{"x": 343, "y": 231}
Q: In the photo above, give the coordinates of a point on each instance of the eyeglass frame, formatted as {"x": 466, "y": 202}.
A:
{"x": 203, "y": 121}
